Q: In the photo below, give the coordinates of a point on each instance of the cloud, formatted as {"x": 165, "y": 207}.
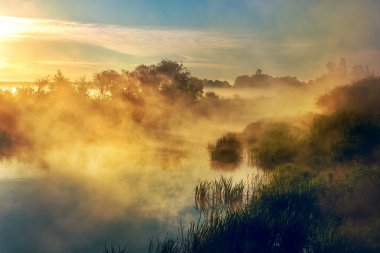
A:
{"x": 34, "y": 43}
{"x": 146, "y": 41}
{"x": 292, "y": 38}
{"x": 75, "y": 63}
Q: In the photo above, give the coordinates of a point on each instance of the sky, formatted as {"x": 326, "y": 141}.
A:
{"x": 216, "y": 39}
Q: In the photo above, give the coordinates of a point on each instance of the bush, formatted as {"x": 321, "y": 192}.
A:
{"x": 278, "y": 146}
{"x": 362, "y": 96}
{"x": 227, "y": 149}
{"x": 342, "y": 137}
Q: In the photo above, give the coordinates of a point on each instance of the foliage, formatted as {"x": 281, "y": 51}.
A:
{"x": 362, "y": 96}
{"x": 169, "y": 78}
{"x": 227, "y": 149}
{"x": 260, "y": 80}
{"x": 285, "y": 215}
{"x": 216, "y": 84}
{"x": 115, "y": 250}
{"x": 60, "y": 84}
{"x": 213, "y": 199}
{"x": 342, "y": 137}
{"x": 109, "y": 83}
{"x": 277, "y": 146}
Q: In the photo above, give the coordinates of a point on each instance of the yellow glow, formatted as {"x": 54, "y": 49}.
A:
{"x": 13, "y": 90}
{"x": 10, "y": 26}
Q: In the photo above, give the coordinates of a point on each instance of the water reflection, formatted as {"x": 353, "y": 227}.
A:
{"x": 117, "y": 197}
{"x": 216, "y": 165}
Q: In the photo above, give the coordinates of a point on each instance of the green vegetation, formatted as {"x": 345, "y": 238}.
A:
{"x": 331, "y": 206}
{"x": 361, "y": 96}
{"x": 291, "y": 213}
{"x": 343, "y": 137}
{"x": 154, "y": 99}
{"x": 115, "y": 250}
{"x": 278, "y": 146}
{"x": 213, "y": 199}
{"x": 329, "y": 140}
{"x": 216, "y": 84}
{"x": 260, "y": 80}
{"x": 227, "y": 149}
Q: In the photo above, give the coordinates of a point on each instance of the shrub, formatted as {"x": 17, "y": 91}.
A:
{"x": 362, "y": 96}
{"x": 342, "y": 137}
{"x": 227, "y": 149}
{"x": 278, "y": 146}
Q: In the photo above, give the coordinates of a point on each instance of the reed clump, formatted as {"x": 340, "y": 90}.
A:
{"x": 287, "y": 213}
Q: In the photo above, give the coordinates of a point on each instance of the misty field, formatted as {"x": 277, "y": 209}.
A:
{"x": 158, "y": 160}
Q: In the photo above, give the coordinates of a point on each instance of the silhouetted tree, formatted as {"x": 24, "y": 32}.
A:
{"x": 109, "y": 83}
{"x": 359, "y": 72}
{"x": 177, "y": 80}
{"x": 260, "y": 80}
{"x": 42, "y": 85}
{"x": 82, "y": 86}
{"x": 145, "y": 75}
{"x": 60, "y": 83}
{"x": 215, "y": 84}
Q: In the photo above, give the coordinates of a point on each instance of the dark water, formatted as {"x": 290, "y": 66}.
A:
{"x": 32, "y": 223}
{"x": 120, "y": 193}
{"x": 77, "y": 210}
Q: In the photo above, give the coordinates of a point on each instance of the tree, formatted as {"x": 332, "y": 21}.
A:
{"x": 145, "y": 75}
{"x": 82, "y": 86}
{"x": 169, "y": 78}
{"x": 109, "y": 83}
{"x": 60, "y": 83}
{"x": 42, "y": 85}
{"x": 359, "y": 72}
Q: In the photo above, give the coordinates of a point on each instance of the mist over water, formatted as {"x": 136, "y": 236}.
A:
{"x": 251, "y": 125}
{"x": 78, "y": 172}
{"x": 80, "y": 195}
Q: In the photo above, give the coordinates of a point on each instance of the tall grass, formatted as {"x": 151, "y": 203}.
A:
{"x": 277, "y": 146}
{"x": 112, "y": 249}
{"x": 213, "y": 199}
{"x": 284, "y": 215}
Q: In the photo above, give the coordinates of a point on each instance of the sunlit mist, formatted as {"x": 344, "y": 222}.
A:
{"x": 12, "y": 26}
{"x": 189, "y": 126}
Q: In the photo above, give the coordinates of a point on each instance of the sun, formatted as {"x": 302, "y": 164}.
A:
{"x": 11, "y": 26}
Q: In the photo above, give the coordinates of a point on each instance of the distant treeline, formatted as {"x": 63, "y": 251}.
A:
{"x": 257, "y": 80}
{"x": 340, "y": 70}
{"x": 151, "y": 99}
